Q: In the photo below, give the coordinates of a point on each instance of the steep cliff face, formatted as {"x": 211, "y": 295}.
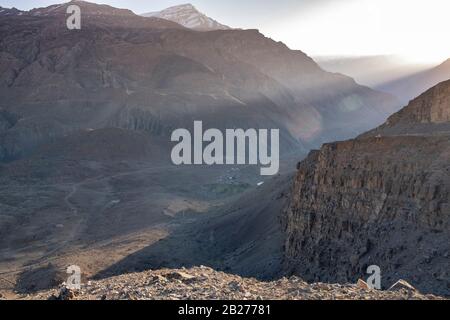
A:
{"x": 431, "y": 107}
{"x": 381, "y": 199}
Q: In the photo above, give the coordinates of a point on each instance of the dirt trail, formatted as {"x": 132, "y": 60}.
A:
{"x": 52, "y": 255}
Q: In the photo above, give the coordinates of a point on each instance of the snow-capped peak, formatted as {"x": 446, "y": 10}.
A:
{"x": 188, "y": 16}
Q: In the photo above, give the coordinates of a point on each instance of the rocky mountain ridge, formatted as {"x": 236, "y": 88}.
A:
{"x": 151, "y": 74}
{"x": 188, "y": 16}
{"x": 381, "y": 199}
{"x": 10, "y": 12}
{"x": 427, "y": 114}
{"x": 85, "y": 120}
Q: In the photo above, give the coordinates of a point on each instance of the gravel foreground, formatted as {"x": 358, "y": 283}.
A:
{"x": 203, "y": 283}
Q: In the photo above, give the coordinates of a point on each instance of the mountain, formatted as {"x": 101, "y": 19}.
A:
{"x": 9, "y": 12}
{"x": 391, "y": 74}
{"x": 151, "y": 74}
{"x": 85, "y": 123}
{"x": 409, "y": 87}
{"x": 188, "y": 16}
{"x": 372, "y": 71}
{"x": 90, "y": 9}
{"x": 428, "y": 114}
{"x": 381, "y": 199}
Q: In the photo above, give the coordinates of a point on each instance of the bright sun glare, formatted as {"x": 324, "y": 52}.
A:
{"x": 415, "y": 29}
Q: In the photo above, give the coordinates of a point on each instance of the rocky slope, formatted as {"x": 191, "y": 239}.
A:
{"x": 188, "y": 16}
{"x": 242, "y": 236}
{"x": 151, "y": 74}
{"x": 85, "y": 118}
{"x": 429, "y": 114}
{"x": 202, "y": 283}
{"x": 381, "y": 199}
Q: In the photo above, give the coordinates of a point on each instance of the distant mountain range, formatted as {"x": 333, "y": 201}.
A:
{"x": 188, "y": 16}
{"x": 371, "y": 71}
{"x": 409, "y": 87}
{"x": 389, "y": 73}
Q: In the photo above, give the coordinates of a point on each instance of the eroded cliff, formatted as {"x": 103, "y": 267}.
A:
{"x": 382, "y": 199}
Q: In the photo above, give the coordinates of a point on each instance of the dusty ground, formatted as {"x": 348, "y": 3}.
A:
{"x": 113, "y": 213}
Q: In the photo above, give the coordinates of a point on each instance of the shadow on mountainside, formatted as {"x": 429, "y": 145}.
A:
{"x": 243, "y": 237}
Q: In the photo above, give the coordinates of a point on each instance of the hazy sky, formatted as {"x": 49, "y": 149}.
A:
{"x": 417, "y": 29}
